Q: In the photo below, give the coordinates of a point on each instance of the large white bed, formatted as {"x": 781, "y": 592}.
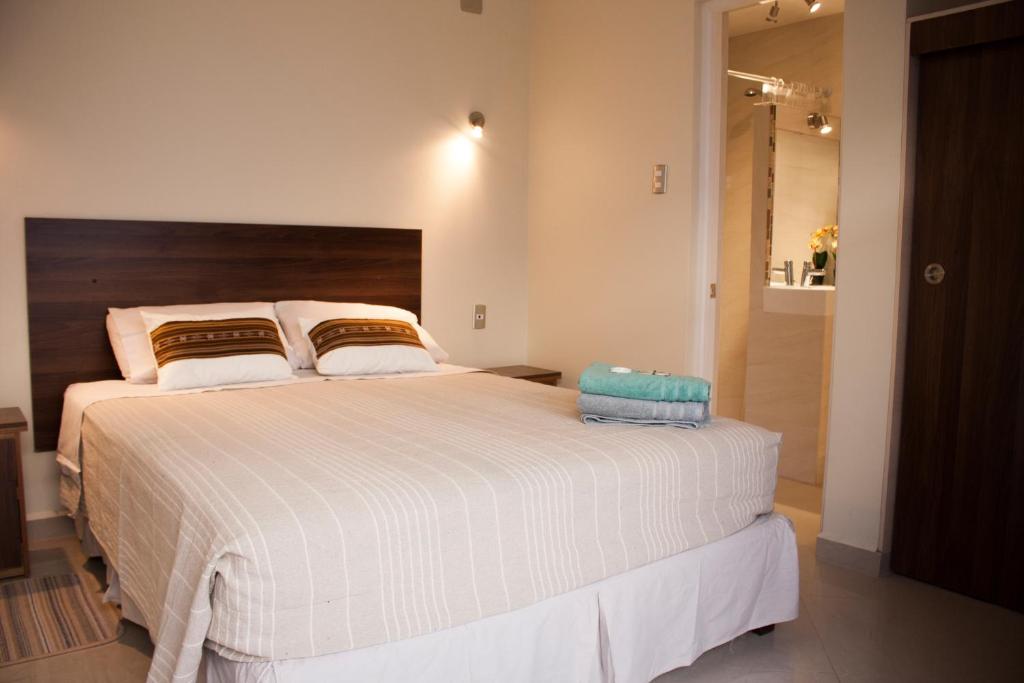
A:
{"x": 448, "y": 526}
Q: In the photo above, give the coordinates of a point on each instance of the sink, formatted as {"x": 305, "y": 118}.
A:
{"x": 779, "y": 297}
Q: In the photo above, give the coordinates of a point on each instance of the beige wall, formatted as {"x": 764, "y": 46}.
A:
{"x": 610, "y": 264}
{"x": 734, "y": 269}
{"x": 865, "y": 360}
{"x": 321, "y": 111}
{"x": 811, "y": 52}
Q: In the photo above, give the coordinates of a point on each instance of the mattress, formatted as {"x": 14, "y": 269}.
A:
{"x": 310, "y": 518}
{"x": 628, "y": 628}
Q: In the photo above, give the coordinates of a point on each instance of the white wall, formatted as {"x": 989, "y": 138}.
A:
{"x": 611, "y": 93}
{"x": 320, "y": 112}
{"x": 864, "y": 360}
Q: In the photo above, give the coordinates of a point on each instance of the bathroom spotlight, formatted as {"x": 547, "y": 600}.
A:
{"x": 477, "y": 120}
{"x": 750, "y": 92}
{"x": 813, "y": 6}
{"x": 773, "y": 13}
{"x": 819, "y": 122}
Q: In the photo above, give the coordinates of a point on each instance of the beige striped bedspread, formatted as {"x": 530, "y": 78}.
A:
{"x": 306, "y": 519}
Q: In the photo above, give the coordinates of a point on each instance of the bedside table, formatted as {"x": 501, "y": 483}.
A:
{"x": 13, "y": 539}
{"x": 529, "y": 373}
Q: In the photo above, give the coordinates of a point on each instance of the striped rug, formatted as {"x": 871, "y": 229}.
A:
{"x": 51, "y": 615}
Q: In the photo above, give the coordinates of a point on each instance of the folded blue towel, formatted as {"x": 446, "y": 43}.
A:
{"x": 587, "y": 419}
{"x": 655, "y": 412}
{"x": 599, "y": 379}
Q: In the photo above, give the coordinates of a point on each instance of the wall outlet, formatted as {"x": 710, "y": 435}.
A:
{"x": 479, "y": 317}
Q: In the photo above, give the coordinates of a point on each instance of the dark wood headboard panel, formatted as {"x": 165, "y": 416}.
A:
{"x": 77, "y": 268}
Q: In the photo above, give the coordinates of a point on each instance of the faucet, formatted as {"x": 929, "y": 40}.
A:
{"x": 809, "y": 272}
{"x": 787, "y": 272}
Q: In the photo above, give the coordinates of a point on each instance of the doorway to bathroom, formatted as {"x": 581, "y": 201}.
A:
{"x": 778, "y": 242}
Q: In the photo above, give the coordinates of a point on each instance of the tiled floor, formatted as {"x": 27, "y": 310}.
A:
{"x": 854, "y": 628}
{"x": 851, "y": 628}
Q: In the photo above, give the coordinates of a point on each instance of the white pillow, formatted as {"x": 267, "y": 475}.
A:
{"x": 130, "y": 341}
{"x": 117, "y": 344}
{"x": 366, "y": 346}
{"x": 219, "y": 348}
{"x": 290, "y": 312}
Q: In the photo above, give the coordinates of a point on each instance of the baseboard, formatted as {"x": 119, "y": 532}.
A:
{"x": 55, "y": 526}
{"x": 870, "y": 562}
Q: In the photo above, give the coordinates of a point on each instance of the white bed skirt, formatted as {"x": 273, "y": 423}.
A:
{"x": 629, "y": 628}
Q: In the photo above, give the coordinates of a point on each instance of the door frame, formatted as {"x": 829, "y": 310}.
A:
{"x": 712, "y": 62}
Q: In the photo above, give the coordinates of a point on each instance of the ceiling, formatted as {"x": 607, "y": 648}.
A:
{"x": 751, "y": 19}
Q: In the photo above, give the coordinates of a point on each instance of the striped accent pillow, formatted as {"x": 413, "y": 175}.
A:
{"x": 201, "y": 351}
{"x": 184, "y": 339}
{"x": 130, "y": 340}
{"x": 289, "y": 313}
{"x": 366, "y": 346}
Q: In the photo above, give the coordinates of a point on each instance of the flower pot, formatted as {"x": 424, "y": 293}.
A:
{"x": 820, "y": 260}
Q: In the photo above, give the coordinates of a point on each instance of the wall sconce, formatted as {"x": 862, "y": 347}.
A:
{"x": 813, "y": 6}
{"x": 477, "y": 120}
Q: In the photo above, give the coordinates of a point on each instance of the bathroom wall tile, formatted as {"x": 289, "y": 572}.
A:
{"x": 786, "y": 362}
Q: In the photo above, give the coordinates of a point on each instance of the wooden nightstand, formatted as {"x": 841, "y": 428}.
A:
{"x": 529, "y": 373}
{"x": 13, "y": 539}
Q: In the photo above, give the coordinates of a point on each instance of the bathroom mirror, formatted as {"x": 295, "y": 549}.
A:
{"x": 803, "y": 196}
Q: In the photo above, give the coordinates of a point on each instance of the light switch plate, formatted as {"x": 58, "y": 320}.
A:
{"x": 479, "y": 317}
{"x": 659, "y": 179}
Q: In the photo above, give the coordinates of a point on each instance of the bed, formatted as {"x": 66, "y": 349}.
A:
{"x": 448, "y": 526}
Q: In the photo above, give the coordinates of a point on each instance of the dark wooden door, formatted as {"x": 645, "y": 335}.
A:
{"x": 959, "y": 518}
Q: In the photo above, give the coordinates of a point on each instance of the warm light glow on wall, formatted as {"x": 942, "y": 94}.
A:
{"x": 455, "y": 158}
{"x": 454, "y": 177}
{"x": 459, "y": 152}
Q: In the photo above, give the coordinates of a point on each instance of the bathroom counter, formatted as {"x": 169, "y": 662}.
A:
{"x": 796, "y": 300}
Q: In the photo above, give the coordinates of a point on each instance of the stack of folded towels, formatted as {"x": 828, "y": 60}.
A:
{"x": 616, "y": 394}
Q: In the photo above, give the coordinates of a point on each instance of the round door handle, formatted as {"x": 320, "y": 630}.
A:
{"x": 934, "y": 273}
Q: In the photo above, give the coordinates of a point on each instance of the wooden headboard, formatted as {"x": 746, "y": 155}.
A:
{"x": 78, "y": 268}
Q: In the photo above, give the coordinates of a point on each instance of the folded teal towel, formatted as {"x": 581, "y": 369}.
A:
{"x": 599, "y": 379}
